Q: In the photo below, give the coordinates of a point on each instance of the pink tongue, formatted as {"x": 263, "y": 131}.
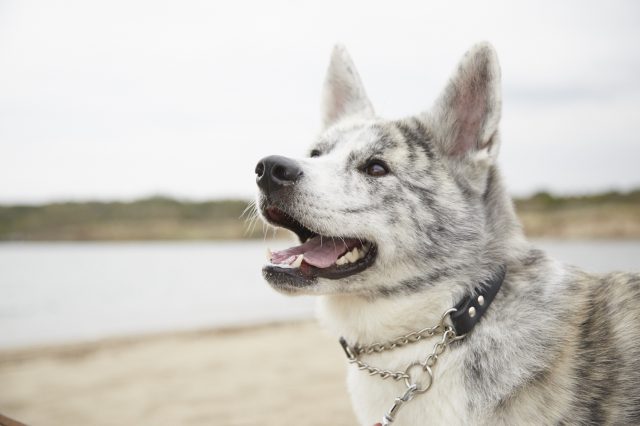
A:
{"x": 318, "y": 251}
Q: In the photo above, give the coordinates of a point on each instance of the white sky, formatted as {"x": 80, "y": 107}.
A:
{"x": 120, "y": 99}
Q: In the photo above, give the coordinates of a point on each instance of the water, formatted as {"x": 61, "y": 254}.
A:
{"x": 84, "y": 291}
{"x": 63, "y": 292}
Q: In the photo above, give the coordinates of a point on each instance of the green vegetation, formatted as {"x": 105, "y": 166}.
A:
{"x": 156, "y": 218}
{"x": 545, "y": 201}
{"x": 607, "y": 215}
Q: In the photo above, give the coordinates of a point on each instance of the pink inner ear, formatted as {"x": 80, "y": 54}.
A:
{"x": 339, "y": 100}
{"x": 470, "y": 110}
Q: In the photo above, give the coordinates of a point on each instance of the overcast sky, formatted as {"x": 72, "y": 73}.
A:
{"x": 121, "y": 99}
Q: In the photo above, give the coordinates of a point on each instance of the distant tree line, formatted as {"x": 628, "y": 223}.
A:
{"x": 162, "y": 218}
{"x": 546, "y": 201}
{"x": 150, "y": 218}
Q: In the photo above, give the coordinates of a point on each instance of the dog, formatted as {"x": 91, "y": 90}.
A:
{"x": 400, "y": 222}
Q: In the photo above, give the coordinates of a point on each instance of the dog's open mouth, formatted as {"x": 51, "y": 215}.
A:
{"x": 322, "y": 256}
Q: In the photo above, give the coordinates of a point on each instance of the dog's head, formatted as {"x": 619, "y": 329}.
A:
{"x": 385, "y": 206}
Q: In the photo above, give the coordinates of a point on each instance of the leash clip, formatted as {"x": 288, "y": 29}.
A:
{"x": 348, "y": 350}
{"x": 397, "y": 404}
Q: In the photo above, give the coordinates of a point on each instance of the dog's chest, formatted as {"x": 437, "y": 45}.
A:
{"x": 443, "y": 403}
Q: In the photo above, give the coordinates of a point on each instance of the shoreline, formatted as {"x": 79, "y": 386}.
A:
{"x": 64, "y": 348}
{"x": 271, "y": 374}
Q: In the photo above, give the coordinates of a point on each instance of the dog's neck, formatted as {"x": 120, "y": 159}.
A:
{"x": 365, "y": 320}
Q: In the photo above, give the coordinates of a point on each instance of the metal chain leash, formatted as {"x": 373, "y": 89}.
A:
{"x": 374, "y": 371}
{"x": 415, "y": 386}
{"x": 399, "y": 341}
{"x": 425, "y": 368}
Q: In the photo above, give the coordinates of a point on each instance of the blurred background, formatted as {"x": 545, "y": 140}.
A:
{"x": 130, "y": 287}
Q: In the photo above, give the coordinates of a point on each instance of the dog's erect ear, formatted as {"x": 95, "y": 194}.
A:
{"x": 468, "y": 111}
{"x": 343, "y": 93}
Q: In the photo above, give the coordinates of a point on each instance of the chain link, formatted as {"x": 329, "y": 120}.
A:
{"x": 403, "y": 340}
{"x": 448, "y": 336}
{"x": 374, "y": 371}
{"x": 426, "y": 366}
{"x": 397, "y": 342}
{"x": 414, "y": 386}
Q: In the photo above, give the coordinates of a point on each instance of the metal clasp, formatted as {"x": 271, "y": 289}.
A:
{"x": 348, "y": 350}
{"x": 443, "y": 319}
{"x": 399, "y": 402}
{"x": 444, "y": 316}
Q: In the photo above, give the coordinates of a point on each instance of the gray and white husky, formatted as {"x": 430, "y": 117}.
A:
{"x": 399, "y": 220}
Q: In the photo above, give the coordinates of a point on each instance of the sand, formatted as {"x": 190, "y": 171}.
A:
{"x": 281, "y": 374}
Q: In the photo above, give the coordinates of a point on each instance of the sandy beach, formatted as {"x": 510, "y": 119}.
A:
{"x": 279, "y": 374}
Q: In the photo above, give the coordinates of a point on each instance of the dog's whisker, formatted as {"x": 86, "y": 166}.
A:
{"x": 251, "y": 221}
{"x": 253, "y": 225}
{"x": 250, "y": 207}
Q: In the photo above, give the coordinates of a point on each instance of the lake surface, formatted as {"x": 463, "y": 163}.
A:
{"x": 66, "y": 292}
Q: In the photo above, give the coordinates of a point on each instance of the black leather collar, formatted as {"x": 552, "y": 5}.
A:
{"x": 472, "y": 307}
{"x": 466, "y": 315}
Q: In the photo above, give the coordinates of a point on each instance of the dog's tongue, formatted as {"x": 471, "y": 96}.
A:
{"x": 318, "y": 251}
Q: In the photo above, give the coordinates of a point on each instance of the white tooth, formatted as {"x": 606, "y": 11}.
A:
{"x": 361, "y": 253}
{"x": 296, "y": 263}
{"x": 351, "y": 256}
{"x": 341, "y": 261}
{"x": 269, "y": 255}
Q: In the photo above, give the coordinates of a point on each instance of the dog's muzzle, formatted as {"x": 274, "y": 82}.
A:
{"x": 276, "y": 172}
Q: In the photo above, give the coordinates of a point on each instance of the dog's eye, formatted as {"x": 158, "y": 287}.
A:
{"x": 376, "y": 168}
{"x": 315, "y": 153}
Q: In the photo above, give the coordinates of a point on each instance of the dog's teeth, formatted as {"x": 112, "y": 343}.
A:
{"x": 347, "y": 257}
{"x": 352, "y": 256}
{"x": 296, "y": 263}
{"x": 269, "y": 255}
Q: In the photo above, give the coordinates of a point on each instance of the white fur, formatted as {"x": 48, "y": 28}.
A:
{"x": 368, "y": 322}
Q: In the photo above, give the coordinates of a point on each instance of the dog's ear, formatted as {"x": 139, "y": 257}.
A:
{"x": 467, "y": 113}
{"x": 343, "y": 93}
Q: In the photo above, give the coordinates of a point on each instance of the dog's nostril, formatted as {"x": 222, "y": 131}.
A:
{"x": 279, "y": 172}
{"x": 260, "y": 169}
{"x": 286, "y": 173}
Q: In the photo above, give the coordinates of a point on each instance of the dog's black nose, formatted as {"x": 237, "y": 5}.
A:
{"x": 275, "y": 172}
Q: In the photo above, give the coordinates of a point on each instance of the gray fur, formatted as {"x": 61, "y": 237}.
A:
{"x": 557, "y": 347}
